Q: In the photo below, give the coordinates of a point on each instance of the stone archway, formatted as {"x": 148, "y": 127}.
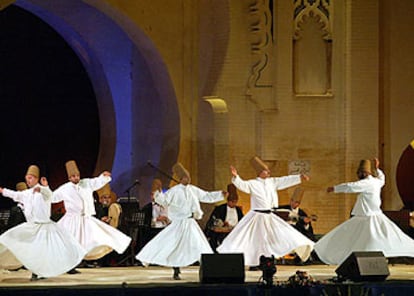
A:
{"x": 139, "y": 118}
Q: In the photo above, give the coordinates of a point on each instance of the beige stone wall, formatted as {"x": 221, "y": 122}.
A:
{"x": 215, "y": 48}
{"x": 397, "y": 91}
{"x": 172, "y": 26}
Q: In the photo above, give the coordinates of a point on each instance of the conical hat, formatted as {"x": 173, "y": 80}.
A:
{"x": 258, "y": 165}
{"x": 33, "y": 170}
{"x": 365, "y": 166}
{"x": 156, "y": 185}
{"x": 72, "y": 168}
{"x": 104, "y": 191}
{"x": 297, "y": 194}
{"x": 180, "y": 171}
{"x": 21, "y": 186}
{"x": 232, "y": 190}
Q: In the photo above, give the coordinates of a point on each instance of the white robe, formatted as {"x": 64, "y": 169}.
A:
{"x": 265, "y": 234}
{"x": 97, "y": 237}
{"x": 183, "y": 241}
{"x": 368, "y": 230}
{"x": 40, "y": 244}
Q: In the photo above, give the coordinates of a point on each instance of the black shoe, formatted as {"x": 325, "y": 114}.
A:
{"x": 177, "y": 272}
{"x": 254, "y": 268}
{"x": 73, "y": 271}
{"x": 297, "y": 261}
{"x": 36, "y": 278}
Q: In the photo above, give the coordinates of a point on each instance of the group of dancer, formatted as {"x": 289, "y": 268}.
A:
{"x": 49, "y": 249}
{"x": 263, "y": 233}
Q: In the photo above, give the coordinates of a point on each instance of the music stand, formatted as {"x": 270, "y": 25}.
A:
{"x": 135, "y": 226}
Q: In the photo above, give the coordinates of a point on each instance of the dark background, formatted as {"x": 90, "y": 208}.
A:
{"x": 48, "y": 109}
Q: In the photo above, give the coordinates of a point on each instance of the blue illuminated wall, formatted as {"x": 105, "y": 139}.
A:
{"x": 138, "y": 114}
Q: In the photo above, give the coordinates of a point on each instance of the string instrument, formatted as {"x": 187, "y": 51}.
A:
{"x": 219, "y": 226}
{"x": 290, "y": 216}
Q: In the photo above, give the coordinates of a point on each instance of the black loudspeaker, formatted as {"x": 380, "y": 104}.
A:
{"x": 364, "y": 266}
{"x": 222, "y": 268}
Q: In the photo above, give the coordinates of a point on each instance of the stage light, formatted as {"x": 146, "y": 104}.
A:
{"x": 268, "y": 268}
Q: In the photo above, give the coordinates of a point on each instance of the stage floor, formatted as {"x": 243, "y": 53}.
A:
{"x": 162, "y": 276}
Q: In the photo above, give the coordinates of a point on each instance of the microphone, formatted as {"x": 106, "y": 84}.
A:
{"x": 136, "y": 182}
{"x": 150, "y": 164}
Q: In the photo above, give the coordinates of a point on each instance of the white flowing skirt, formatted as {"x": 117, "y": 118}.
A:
{"x": 44, "y": 249}
{"x": 179, "y": 244}
{"x": 97, "y": 237}
{"x": 260, "y": 234}
{"x": 364, "y": 233}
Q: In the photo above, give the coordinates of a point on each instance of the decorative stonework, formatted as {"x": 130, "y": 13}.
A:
{"x": 261, "y": 45}
{"x": 319, "y": 9}
{"x": 299, "y": 167}
{"x": 312, "y": 49}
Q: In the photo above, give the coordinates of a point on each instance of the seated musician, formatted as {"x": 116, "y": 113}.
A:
{"x": 223, "y": 218}
{"x": 16, "y": 212}
{"x": 298, "y": 217}
{"x": 108, "y": 209}
{"x": 156, "y": 215}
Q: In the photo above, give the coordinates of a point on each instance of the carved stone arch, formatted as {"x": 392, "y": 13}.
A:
{"x": 312, "y": 9}
{"x": 312, "y": 49}
{"x": 213, "y": 143}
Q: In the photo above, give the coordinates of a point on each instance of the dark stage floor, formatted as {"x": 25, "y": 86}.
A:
{"x": 156, "y": 280}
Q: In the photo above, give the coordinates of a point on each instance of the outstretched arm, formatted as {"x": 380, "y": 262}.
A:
{"x": 233, "y": 171}
{"x": 238, "y": 182}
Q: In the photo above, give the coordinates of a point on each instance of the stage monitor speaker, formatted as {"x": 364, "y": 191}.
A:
{"x": 364, "y": 266}
{"x": 222, "y": 268}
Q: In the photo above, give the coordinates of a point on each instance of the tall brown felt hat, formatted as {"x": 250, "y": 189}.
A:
{"x": 180, "y": 171}
{"x": 232, "y": 190}
{"x": 33, "y": 170}
{"x": 104, "y": 191}
{"x": 297, "y": 194}
{"x": 21, "y": 186}
{"x": 156, "y": 185}
{"x": 365, "y": 166}
{"x": 258, "y": 165}
{"x": 72, "y": 168}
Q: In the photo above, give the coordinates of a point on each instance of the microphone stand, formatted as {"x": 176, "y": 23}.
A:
{"x": 130, "y": 216}
{"x": 128, "y": 191}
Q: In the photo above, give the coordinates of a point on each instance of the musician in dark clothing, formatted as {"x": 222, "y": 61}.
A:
{"x": 298, "y": 217}
{"x": 16, "y": 212}
{"x": 223, "y": 218}
{"x": 101, "y": 206}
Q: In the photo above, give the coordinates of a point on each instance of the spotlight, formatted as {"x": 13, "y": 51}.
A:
{"x": 268, "y": 267}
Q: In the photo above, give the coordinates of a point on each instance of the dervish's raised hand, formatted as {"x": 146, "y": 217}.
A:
{"x": 44, "y": 181}
{"x": 233, "y": 171}
{"x": 106, "y": 174}
{"x": 304, "y": 177}
{"x": 376, "y": 162}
